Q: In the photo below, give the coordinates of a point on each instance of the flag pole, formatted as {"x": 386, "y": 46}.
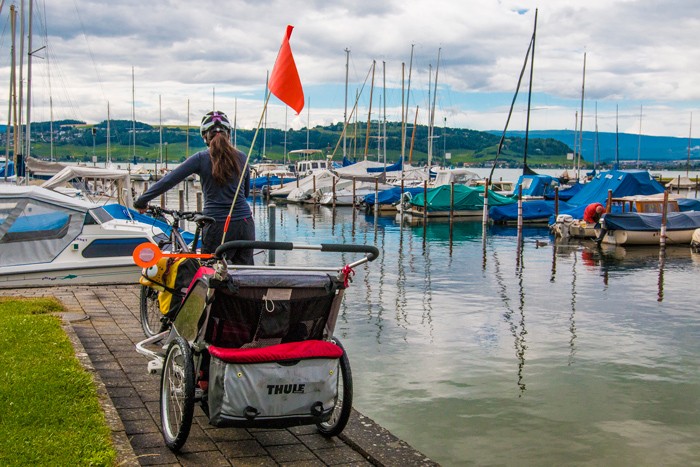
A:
{"x": 245, "y": 166}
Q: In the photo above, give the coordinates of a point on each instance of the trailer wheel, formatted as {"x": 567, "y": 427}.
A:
{"x": 343, "y": 404}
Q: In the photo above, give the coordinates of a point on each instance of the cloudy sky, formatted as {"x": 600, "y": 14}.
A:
{"x": 642, "y": 58}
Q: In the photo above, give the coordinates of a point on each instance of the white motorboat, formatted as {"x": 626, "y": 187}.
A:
{"x": 302, "y": 191}
{"x": 47, "y": 238}
{"x": 96, "y": 185}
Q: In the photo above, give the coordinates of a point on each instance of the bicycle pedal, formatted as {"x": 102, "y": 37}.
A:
{"x": 155, "y": 367}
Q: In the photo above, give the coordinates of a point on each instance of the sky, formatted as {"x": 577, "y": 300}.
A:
{"x": 170, "y": 61}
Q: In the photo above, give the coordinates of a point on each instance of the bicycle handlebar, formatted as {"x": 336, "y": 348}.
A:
{"x": 178, "y": 215}
{"x": 371, "y": 251}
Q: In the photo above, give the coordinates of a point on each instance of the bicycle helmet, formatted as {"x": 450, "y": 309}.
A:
{"x": 214, "y": 119}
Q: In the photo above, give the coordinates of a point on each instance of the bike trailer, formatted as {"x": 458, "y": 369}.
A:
{"x": 271, "y": 362}
{"x": 286, "y": 384}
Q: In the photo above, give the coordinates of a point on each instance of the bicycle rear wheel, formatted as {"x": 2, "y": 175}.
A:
{"x": 151, "y": 316}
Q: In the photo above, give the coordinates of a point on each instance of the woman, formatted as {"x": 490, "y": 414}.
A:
{"x": 219, "y": 168}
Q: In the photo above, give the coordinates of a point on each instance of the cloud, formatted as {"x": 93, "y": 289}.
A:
{"x": 638, "y": 52}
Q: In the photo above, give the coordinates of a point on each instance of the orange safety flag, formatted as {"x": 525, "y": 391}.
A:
{"x": 284, "y": 80}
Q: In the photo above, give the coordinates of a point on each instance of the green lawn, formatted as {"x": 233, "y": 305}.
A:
{"x": 49, "y": 411}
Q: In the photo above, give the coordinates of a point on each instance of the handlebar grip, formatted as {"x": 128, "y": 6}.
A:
{"x": 371, "y": 251}
{"x": 236, "y": 244}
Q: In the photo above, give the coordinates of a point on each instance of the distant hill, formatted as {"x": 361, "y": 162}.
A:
{"x": 652, "y": 148}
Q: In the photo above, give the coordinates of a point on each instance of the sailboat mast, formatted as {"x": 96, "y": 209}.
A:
{"x": 617, "y": 138}
{"x": 526, "y": 169}
{"x": 432, "y": 112}
{"x": 580, "y": 127}
{"x": 384, "y": 139}
{"x": 107, "y": 160}
{"x": 596, "y": 151}
{"x": 369, "y": 114}
{"x": 9, "y": 100}
{"x": 28, "y": 131}
{"x": 51, "y": 128}
{"x": 284, "y": 149}
{"x": 264, "y": 141}
{"x": 21, "y": 69}
{"x": 345, "y": 112}
{"x": 574, "y": 168}
{"x": 133, "y": 115}
{"x": 690, "y": 142}
{"x": 408, "y": 95}
{"x": 187, "y": 133}
{"x": 160, "y": 130}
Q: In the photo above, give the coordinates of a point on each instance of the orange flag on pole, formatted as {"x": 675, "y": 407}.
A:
{"x": 284, "y": 80}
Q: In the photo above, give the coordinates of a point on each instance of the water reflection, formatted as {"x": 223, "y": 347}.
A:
{"x": 527, "y": 338}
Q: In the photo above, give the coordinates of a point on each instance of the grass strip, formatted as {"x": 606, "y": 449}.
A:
{"x": 49, "y": 410}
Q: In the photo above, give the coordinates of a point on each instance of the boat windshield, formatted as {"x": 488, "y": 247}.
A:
{"x": 101, "y": 215}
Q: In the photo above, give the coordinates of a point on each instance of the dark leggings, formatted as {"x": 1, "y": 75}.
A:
{"x": 243, "y": 229}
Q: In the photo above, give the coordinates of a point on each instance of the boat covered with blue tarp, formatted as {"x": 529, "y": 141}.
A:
{"x": 391, "y": 195}
{"x": 536, "y": 185}
{"x": 536, "y": 210}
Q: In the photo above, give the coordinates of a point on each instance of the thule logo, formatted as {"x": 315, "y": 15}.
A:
{"x": 273, "y": 389}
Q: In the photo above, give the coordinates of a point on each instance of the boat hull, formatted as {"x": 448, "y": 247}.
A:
{"x": 71, "y": 275}
{"x": 631, "y": 237}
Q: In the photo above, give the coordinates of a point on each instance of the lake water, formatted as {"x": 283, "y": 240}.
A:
{"x": 478, "y": 351}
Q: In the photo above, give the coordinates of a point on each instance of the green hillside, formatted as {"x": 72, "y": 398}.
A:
{"x": 79, "y": 142}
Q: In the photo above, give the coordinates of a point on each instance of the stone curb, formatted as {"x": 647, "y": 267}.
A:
{"x": 125, "y": 453}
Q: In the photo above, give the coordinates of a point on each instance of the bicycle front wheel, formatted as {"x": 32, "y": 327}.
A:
{"x": 151, "y": 317}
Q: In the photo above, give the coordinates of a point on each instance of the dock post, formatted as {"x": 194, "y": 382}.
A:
{"x": 162, "y": 201}
{"x": 664, "y": 213}
{"x": 425, "y": 200}
{"x": 334, "y": 181}
{"x": 485, "y": 219}
{"x": 199, "y": 201}
{"x": 181, "y": 205}
{"x": 452, "y": 201}
{"x": 353, "y": 192}
{"x": 678, "y": 190}
{"x": 520, "y": 209}
{"x": 556, "y": 202}
{"x": 608, "y": 205}
{"x": 376, "y": 195}
{"x": 271, "y": 220}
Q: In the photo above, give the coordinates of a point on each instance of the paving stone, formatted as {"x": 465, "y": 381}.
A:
{"x": 136, "y": 427}
{"x": 147, "y": 440}
{"x": 317, "y": 441}
{"x": 244, "y": 448}
{"x": 339, "y": 455}
{"x": 292, "y": 453}
{"x": 255, "y": 462}
{"x": 155, "y": 456}
{"x": 275, "y": 438}
{"x": 208, "y": 458}
{"x": 135, "y": 414}
{"x": 127, "y": 402}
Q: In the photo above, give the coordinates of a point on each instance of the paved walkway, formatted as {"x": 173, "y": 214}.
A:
{"x": 104, "y": 327}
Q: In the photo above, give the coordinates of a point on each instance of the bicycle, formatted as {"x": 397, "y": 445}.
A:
{"x": 153, "y": 321}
